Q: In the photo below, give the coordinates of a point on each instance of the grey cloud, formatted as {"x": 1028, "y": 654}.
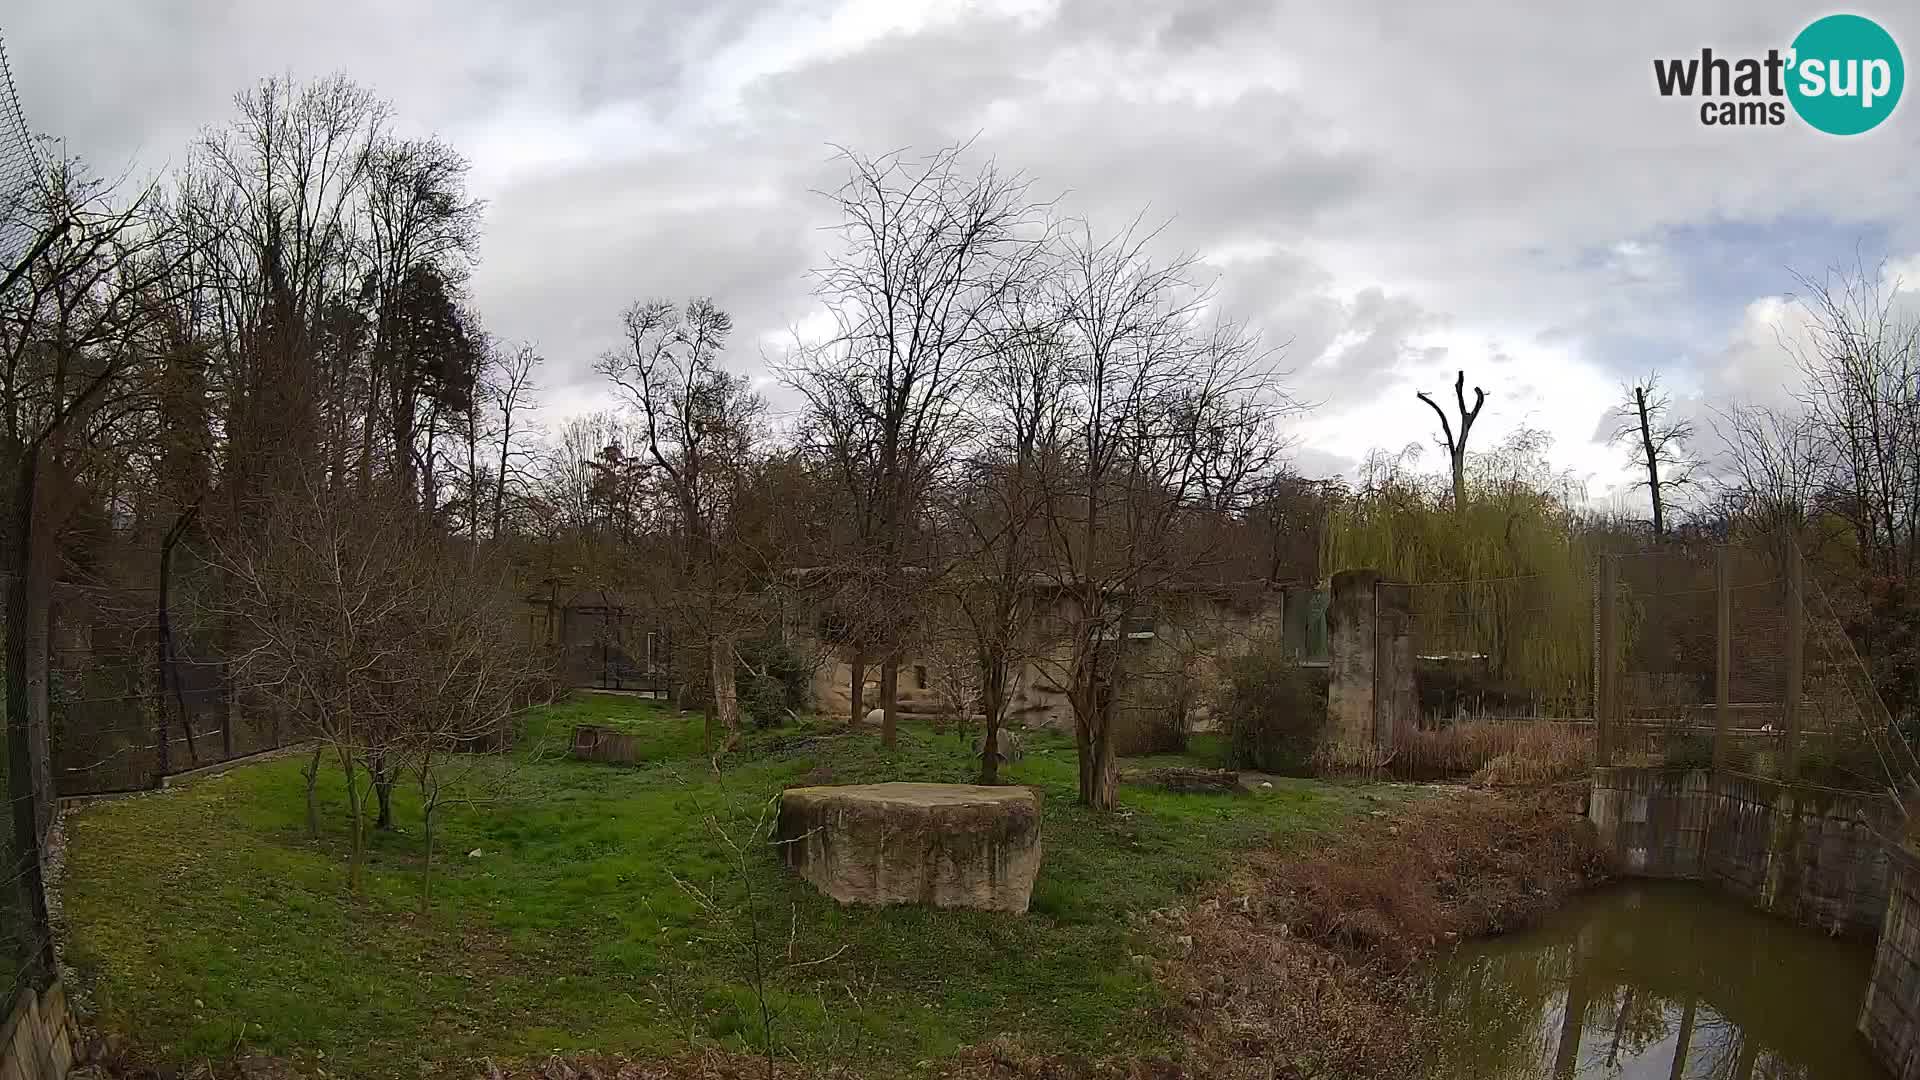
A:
{"x": 1408, "y": 167}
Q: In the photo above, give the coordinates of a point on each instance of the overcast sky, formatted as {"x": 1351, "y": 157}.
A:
{"x": 1392, "y": 190}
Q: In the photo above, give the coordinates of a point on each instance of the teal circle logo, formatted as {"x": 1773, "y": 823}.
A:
{"x": 1845, "y": 74}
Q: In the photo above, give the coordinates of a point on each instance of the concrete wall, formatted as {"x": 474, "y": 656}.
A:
{"x": 1890, "y": 1015}
{"x": 1370, "y": 690}
{"x": 36, "y": 1042}
{"x": 1192, "y": 637}
{"x": 1810, "y": 854}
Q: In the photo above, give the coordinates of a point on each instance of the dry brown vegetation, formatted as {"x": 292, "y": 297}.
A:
{"x": 1304, "y": 965}
{"x": 1492, "y": 753}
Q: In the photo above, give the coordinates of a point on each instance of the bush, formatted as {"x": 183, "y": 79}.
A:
{"x": 1272, "y": 712}
{"x": 1850, "y": 764}
{"x": 1498, "y": 753}
{"x": 1690, "y": 750}
{"x": 771, "y": 680}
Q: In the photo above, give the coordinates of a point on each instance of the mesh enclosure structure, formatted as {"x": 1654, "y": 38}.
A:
{"x": 20, "y": 172}
{"x": 1690, "y": 656}
{"x": 1726, "y": 657}
{"x": 25, "y": 932}
{"x": 125, "y": 712}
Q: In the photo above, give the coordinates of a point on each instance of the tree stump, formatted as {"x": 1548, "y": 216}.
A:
{"x": 942, "y": 845}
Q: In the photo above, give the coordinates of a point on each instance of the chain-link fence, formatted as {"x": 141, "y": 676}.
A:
{"x": 1502, "y": 649}
{"x": 1689, "y": 656}
{"x": 26, "y": 938}
{"x": 130, "y": 706}
{"x": 1727, "y": 657}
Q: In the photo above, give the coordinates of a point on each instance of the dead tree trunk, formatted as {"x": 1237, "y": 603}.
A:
{"x": 889, "y": 699}
{"x": 726, "y": 700}
{"x": 857, "y": 687}
{"x": 1653, "y": 463}
{"x": 1457, "y": 447}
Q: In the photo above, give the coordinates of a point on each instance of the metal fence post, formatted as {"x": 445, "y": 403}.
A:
{"x": 1796, "y": 659}
{"x": 1607, "y": 693}
{"x": 1723, "y": 657}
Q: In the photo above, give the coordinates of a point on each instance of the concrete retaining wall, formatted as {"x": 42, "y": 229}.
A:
{"x": 1810, "y": 854}
{"x": 1820, "y": 857}
{"x": 36, "y": 1042}
{"x": 1890, "y": 1015}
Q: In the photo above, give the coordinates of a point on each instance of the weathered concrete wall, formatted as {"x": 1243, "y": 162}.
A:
{"x": 1890, "y": 1014}
{"x": 1350, "y": 661}
{"x": 1191, "y": 639}
{"x": 1370, "y": 690}
{"x": 36, "y": 1042}
{"x": 1809, "y": 854}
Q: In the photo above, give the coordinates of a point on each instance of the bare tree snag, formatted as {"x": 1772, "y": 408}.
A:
{"x": 1658, "y": 444}
{"x": 1457, "y": 448}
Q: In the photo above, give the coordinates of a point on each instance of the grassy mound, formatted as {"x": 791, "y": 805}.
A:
{"x": 581, "y": 906}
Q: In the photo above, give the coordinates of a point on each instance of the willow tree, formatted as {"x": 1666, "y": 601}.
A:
{"x": 1507, "y": 577}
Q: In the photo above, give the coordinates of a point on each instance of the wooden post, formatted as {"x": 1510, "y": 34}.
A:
{"x": 1723, "y": 657}
{"x": 1796, "y": 659}
{"x": 1607, "y": 694}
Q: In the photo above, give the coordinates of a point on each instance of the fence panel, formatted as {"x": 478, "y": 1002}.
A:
{"x": 1502, "y": 649}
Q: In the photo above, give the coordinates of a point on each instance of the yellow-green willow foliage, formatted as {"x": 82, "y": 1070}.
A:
{"x": 1508, "y": 578}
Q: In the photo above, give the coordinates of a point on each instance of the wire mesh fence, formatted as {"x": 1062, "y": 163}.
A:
{"x": 1688, "y": 656}
{"x": 128, "y": 709}
{"x": 20, "y": 170}
{"x": 1726, "y": 657}
{"x": 26, "y": 950}
{"x": 1508, "y": 648}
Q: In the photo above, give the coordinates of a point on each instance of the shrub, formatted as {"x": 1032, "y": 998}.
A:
{"x": 1690, "y": 750}
{"x": 1494, "y": 752}
{"x": 1272, "y": 712}
{"x": 1150, "y": 728}
{"x": 1851, "y": 764}
{"x": 772, "y": 680}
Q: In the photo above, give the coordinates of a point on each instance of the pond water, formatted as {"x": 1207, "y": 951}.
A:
{"x": 1657, "y": 980}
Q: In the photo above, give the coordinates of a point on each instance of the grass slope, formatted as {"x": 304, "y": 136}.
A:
{"x": 564, "y": 910}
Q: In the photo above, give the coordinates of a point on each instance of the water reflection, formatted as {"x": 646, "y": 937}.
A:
{"x": 1655, "y": 980}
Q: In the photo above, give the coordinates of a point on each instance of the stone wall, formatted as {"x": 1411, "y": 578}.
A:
{"x": 1370, "y": 691}
{"x": 1192, "y": 635}
{"x": 1890, "y": 1015}
{"x": 36, "y": 1042}
{"x": 1810, "y": 854}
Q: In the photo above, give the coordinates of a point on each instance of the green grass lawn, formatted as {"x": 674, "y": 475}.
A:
{"x": 566, "y": 909}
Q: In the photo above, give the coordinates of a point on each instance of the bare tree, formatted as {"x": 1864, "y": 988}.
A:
{"x": 1771, "y": 472}
{"x": 995, "y": 506}
{"x": 1169, "y": 421}
{"x": 371, "y": 629}
{"x": 702, "y": 430}
{"x": 929, "y": 249}
{"x": 1860, "y": 358}
{"x": 76, "y": 340}
{"x": 1657, "y": 442}
{"x": 1457, "y": 446}
{"x": 510, "y": 390}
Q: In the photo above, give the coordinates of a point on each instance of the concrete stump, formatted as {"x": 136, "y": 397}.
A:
{"x": 943, "y": 845}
